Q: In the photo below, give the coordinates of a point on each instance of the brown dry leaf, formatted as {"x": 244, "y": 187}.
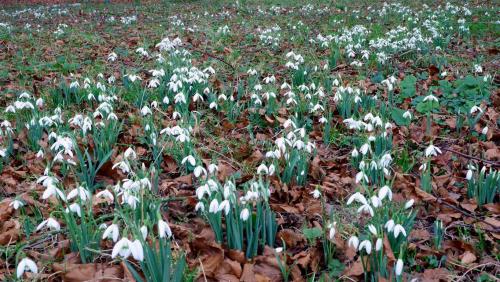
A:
{"x": 435, "y": 275}
{"x": 388, "y": 250}
{"x": 492, "y": 154}
{"x": 6, "y": 211}
{"x": 225, "y": 170}
{"x": 317, "y": 172}
{"x": 248, "y": 274}
{"x": 229, "y": 267}
{"x": 9, "y": 233}
{"x": 355, "y": 269}
{"x": 290, "y": 237}
{"x": 89, "y": 272}
{"x": 468, "y": 258}
{"x": 236, "y": 255}
{"x": 493, "y": 207}
{"x": 420, "y": 234}
{"x": 208, "y": 253}
{"x": 267, "y": 267}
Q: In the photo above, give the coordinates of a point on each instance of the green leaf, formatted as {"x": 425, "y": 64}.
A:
{"x": 408, "y": 88}
{"x": 312, "y": 233}
{"x": 397, "y": 116}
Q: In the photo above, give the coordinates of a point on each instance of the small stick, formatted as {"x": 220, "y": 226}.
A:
{"x": 472, "y": 157}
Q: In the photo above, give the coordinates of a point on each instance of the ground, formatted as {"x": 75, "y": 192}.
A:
{"x": 249, "y": 141}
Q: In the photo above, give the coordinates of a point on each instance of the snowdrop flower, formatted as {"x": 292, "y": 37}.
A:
{"x": 316, "y": 194}
{"x": 262, "y": 169}
{"x": 376, "y": 201}
{"x": 75, "y": 208}
{"x": 105, "y": 194}
{"x": 224, "y": 205}
{"x": 399, "y": 267}
{"x": 24, "y": 265}
{"x": 83, "y": 193}
{"x": 146, "y": 111}
{"x": 475, "y": 109}
{"x": 199, "y": 206}
{"x": 409, "y": 204}
{"x": 389, "y": 225}
{"x": 468, "y": 176}
{"x": 52, "y": 190}
{"x": 378, "y": 244}
{"x": 332, "y": 231}
{"x": 40, "y": 154}
{"x": 478, "y": 68}
{"x": 399, "y": 229}
{"x": 364, "y": 148}
{"x": 407, "y": 115}
{"x": 16, "y": 204}
{"x": 279, "y": 250}
{"x": 144, "y": 232}
{"x": 432, "y": 151}
{"x": 111, "y": 232}
{"x": 190, "y": 159}
{"x": 130, "y": 154}
{"x": 360, "y": 176}
{"x": 353, "y": 242}
{"x": 431, "y": 98}
{"x": 386, "y": 160}
{"x": 372, "y": 229}
{"x": 112, "y": 57}
{"x": 133, "y": 77}
{"x": 50, "y": 223}
{"x": 367, "y": 245}
{"x": 39, "y": 102}
{"x": 199, "y": 170}
{"x": 357, "y": 197}
{"x": 385, "y": 191}
{"x": 245, "y": 213}
{"x": 214, "y": 206}
{"x": 366, "y": 208}
{"x": 212, "y": 168}
{"x": 355, "y": 153}
{"x": 485, "y": 130}
{"x": 163, "y": 229}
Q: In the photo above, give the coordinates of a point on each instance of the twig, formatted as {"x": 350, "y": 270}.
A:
{"x": 203, "y": 270}
{"x": 476, "y": 267}
{"x": 192, "y": 48}
{"x": 440, "y": 201}
{"x": 472, "y": 157}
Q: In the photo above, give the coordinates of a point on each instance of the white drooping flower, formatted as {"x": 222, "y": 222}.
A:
{"x": 16, "y": 204}
{"x": 353, "y": 242}
{"x": 50, "y": 223}
{"x": 367, "y": 245}
{"x": 190, "y": 159}
{"x": 432, "y": 151}
{"x": 244, "y": 214}
{"x": 409, "y": 204}
{"x": 124, "y": 248}
{"x": 214, "y": 206}
{"x": 164, "y": 229}
{"x": 224, "y": 206}
{"x": 385, "y": 191}
{"x": 112, "y": 231}
{"x": 378, "y": 244}
{"x": 399, "y": 229}
{"x": 24, "y": 265}
{"x": 389, "y": 225}
{"x": 144, "y": 232}
{"x": 399, "y": 267}
{"x": 316, "y": 194}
